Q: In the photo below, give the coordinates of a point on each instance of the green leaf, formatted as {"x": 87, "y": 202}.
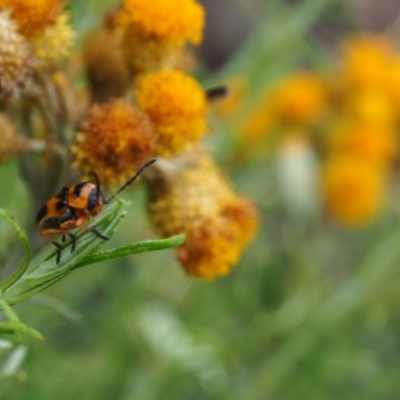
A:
{"x": 13, "y": 326}
{"x": 47, "y": 272}
{"x": 27, "y": 251}
{"x": 18, "y": 329}
{"x": 134, "y": 248}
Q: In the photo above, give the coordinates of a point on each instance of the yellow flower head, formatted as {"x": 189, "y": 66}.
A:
{"x": 174, "y": 21}
{"x": 299, "y": 98}
{"x": 16, "y": 59}
{"x": 55, "y": 42}
{"x": 367, "y": 60}
{"x": 191, "y": 196}
{"x": 32, "y": 16}
{"x": 145, "y": 55}
{"x": 114, "y": 141}
{"x": 353, "y": 190}
{"x": 374, "y": 143}
{"x": 177, "y": 106}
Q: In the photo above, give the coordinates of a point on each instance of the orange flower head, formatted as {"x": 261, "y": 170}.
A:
{"x": 16, "y": 59}
{"x": 32, "y": 16}
{"x": 191, "y": 196}
{"x": 177, "y": 106}
{"x": 353, "y": 190}
{"x": 299, "y": 98}
{"x": 174, "y": 21}
{"x": 115, "y": 140}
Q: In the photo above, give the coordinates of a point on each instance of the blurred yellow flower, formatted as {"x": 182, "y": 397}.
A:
{"x": 394, "y": 87}
{"x": 367, "y": 60}
{"x": 177, "y": 106}
{"x": 237, "y": 88}
{"x": 16, "y": 59}
{"x": 114, "y": 141}
{"x": 55, "y": 42}
{"x": 32, "y": 16}
{"x": 175, "y": 21}
{"x": 259, "y": 123}
{"x": 374, "y": 143}
{"x": 353, "y": 190}
{"x": 189, "y": 195}
{"x": 371, "y": 105}
{"x": 299, "y": 98}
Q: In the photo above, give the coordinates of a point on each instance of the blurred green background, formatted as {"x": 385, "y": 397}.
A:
{"x": 311, "y": 312}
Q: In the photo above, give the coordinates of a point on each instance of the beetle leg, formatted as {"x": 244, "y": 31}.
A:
{"x": 96, "y": 232}
{"x": 73, "y": 239}
{"x": 53, "y": 232}
{"x": 59, "y": 249}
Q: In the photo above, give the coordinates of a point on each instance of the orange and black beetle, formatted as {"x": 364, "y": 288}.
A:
{"x": 73, "y": 207}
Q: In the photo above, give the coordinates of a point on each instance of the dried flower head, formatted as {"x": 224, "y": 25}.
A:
{"x": 115, "y": 140}
{"x": 353, "y": 190}
{"x": 32, "y": 16}
{"x": 177, "y": 106}
{"x": 108, "y": 72}
{"x": 16, "y": 59}
{"x": 11, "y": 143}
{"x": 55, "y": 42}
{"x": 174, "y": 21}
{"x": 191, "y": 196}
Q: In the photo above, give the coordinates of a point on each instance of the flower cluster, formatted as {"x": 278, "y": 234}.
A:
{"x": 139, "y": 104}
{"x": 350, "y": 113}
{"x": 35, "y": 35}
{"x": 136, "y": 54}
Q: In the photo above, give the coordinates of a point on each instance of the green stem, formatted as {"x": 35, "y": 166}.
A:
{"x": 27, "y": 252}
{"x": 134, "y": 248}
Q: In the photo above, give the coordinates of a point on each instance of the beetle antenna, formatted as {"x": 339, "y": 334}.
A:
{"x": 131, "y": 180}
{"x": 96, "y": 178}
